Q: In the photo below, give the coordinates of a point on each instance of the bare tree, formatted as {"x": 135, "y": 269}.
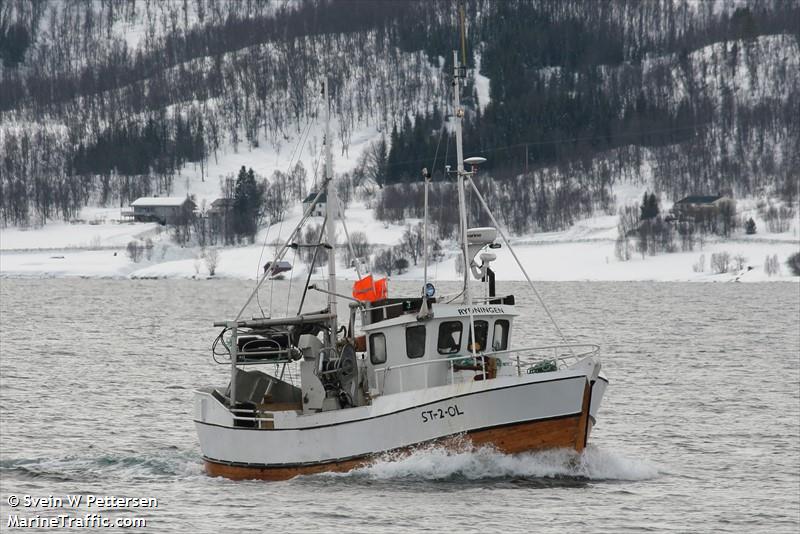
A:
{"x": 700, "y": 266}
{"x": 412, "y": 244}
{"x": 384, "y": 261}
{"x": 622, "y": 246}
{"x": 134, "y": 250}
{"x": 211, "y": 258}
{"x": 771, "y": 265}
{"x": 361, "y": 248}
{"x": 720, "y": 262}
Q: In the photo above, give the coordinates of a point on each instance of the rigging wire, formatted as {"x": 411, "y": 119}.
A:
{"x": 316, "y": 171}
{"x": 426, "y": 176}
{"x": 300, "y": 151}
{"x": 279, "y": 255}
{"x": 439, "y": 142}
{"x": 519, "y": 263}
{"x": 258, "y": 273}
{"x": 446, "y": 153}
{"x": 311, "y": 267}
{"x": 280, "y": 229}
{"x": 291, "y": 278}
{"x": 446, "y": 149}
{"x": 350, "y": 246}
{"x": 295, "y": 152}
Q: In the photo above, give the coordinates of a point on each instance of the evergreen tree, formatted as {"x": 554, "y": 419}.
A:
{"x": 649, "y": 208}
{"x": 247, "y": 204}
{"x": 14, "y": 41}
{"x": 394, "y": 158}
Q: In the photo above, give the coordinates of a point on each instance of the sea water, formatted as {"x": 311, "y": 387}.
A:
{"x": 699, "y": 429}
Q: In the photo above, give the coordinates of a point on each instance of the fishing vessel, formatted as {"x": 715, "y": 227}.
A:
{"x": 395, "y": 373}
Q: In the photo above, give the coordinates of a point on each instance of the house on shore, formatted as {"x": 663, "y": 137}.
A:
{"x": 220, "y": 207}
{"x": 319, "y": 209}
{"x": 220, "y": 217}
{"x": 164, "y": 210}
{"x": 701, "y": 207}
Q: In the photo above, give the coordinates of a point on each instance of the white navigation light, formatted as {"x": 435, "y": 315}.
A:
{"x": 430, "y": 291}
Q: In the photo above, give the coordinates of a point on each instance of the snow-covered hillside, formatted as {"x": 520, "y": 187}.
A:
{"x": 220, "y": 77}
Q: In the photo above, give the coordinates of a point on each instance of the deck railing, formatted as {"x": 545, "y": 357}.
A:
{"x": 562, "y": 355}
{"x": 522, "y": 357}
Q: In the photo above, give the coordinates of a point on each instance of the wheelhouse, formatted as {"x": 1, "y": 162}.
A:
{"x": 405, "y": 352}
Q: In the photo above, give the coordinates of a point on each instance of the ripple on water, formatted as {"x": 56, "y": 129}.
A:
{"x": 168, "y": 464}
{"x": 698, "y": 430}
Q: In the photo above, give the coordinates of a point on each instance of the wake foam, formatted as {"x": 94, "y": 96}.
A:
{"x": 446, "y": 463}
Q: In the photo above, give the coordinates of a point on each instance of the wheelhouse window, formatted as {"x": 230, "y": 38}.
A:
{"x": 377, "y": 349}
{"x": 450, "y": 337}
{"x": 500, "y": 335}
{"x": 481, "y": 334}
{"x": 415, "y": 341}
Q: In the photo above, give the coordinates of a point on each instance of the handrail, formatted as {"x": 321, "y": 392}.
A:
{"x": 593, "y": 349}
{"x": 487, "y": 299}
{"x": 273, "y": 357}
{"x": 258, "y": 415}
{"x": 421, "y": 362}
{"x": 563, "y": 359}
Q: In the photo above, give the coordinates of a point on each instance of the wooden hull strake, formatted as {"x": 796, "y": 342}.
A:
{"x": 570, "y": 432}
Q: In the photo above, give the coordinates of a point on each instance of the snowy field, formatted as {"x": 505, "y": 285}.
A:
{"x": 97, "y": 248}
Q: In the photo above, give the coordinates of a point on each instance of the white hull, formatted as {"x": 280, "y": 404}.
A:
{"x": 568, "y": 399}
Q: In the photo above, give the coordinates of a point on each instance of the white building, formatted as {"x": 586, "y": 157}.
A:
{"x": 165, "y": 210}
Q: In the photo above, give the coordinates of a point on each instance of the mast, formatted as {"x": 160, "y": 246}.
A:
{"x": 427, "y": 179}
{"x": 331, "y": 212}
{"x": 458, "y": 76}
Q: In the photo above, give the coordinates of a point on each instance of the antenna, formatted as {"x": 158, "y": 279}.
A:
{"x": 427, "y": 177}
{"x": 424, "y": 312}
{"x": 462, "y": 26}
{"x": 458, "y": 115}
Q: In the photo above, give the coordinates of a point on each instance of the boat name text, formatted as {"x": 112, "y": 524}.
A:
{"x": 441, "y": 413}
{"x": 481, "y": 310}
